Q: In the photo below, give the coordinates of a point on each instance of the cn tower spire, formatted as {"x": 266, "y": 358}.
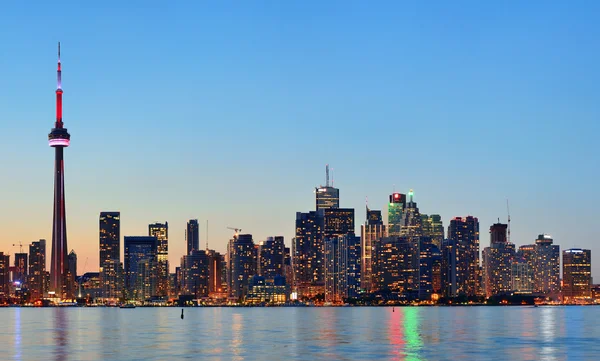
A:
{"x": 59, "y": 123}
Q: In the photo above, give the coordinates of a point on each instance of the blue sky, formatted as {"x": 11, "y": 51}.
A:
{"x": 229, "y": 112}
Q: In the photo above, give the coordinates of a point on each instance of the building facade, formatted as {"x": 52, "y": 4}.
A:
{"x": 110, "y": 255}
{"x": 195, "y": 272}
{"x": 161, "y": 232}
{"x": 192, "y": 236}
{"x": 371, "y": 233}
{"x": 342, "y": 268}
{"x": 577, "y": 275}
{"x": 141, "y": 267}
{"x": 37, "y": 269}
{"x": 464, "y": 232}
{"x": 241, "y": 265}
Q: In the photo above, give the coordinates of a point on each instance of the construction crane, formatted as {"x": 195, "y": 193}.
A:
{"x": 237, "y": 230}
{"x": 20, "y": 246}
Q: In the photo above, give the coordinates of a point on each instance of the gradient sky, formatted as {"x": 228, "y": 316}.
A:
{"x": 229, "y": 112}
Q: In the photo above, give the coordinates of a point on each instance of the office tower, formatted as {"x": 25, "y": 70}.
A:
{"x": 141, "y": 267}
{"x": 395, "y": 210}
{"x": 428, "y": 268}
{"x": 288, "y": 270}
{"x": 327, "y": 197}
{"x": 4, "y": 276}
{"x": 464, "y": 232}
{"x": 521, "y": 275}
{"x": 497, "y": 262}
{"x": 371, "y": 232}
{"x": 436, "y": 270}
{"x": 393, "y": 265}
{"x": 262, "y": 290}
{"x": 433, "y": 228}
{"x": 547, "y": 265}
{"x": 342, "y": 268}
{"x": 577, "y": 275}
{"x": 241, "y": 265}
{"x": 192, "y": 236}
{"x": 307, "y": 249}
{"x": 37, "y": 269}
{"x": 216, "y": 269}
{"x": 161, "y": 232}
{"x": 195, "y": 272}
{"x": 20, "y": 269}
{"x": 271, "y": 258}
{"x": 337, "y": 221}
{"x": 449, "y": 267}
{"x": 410, "y": 224}
{"x": 59, "y": 139}
{"x": 110, "y": 254}
{"x": 72, "y": 275}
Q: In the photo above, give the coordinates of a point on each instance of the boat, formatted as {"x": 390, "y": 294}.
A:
{"x": 127, "y": 305}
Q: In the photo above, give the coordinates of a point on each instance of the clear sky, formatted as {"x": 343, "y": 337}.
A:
{"x": 230, "y": 111}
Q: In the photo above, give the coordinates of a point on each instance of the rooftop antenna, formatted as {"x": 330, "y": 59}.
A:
{"x": 508, "y": 212}
{"x": 207, "y": 234}
{"x": 326, "y": 175}
{"x": 332, "y": 177}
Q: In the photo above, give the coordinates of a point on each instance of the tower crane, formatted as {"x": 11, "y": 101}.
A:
{"x": 237, "y": 230}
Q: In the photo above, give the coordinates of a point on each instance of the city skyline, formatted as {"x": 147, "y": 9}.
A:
{"x": 111, "y": 171}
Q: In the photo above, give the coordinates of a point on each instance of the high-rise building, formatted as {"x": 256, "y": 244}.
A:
{"x": 337, "y": 222}
{"x": 20, "y": 274}
{"x": 395, "y": 210}
{"x": 217, "y": 274}
{"x": 37, "y": 269}
{"x": 342, "y": 268}
{"x": 464, "y": 232}
{"x": 288, "y": 270}
{"x": 547, "y": 265}
{"x": 497, "y": 262}
{"x": 59, "y": 138}
{"x": 433, "y": 228}
{"x": 307, "y": 255}
{"x": 4, "y": 276}
{"x": 241, "y": 265}
{"x": 410, "y": 224}
{"x": 428, "y": 268}
{"x": 110, "y": 255}
{"x": 72, "y": 275}
{"x": 521, "y": 275}
{"x": 161, "y": 232}
{"x": 394, "y": 266}
{"x": 195, "y": 270}
{"x": 371, "y": 232}
{"x": 141, "y": 267}
{"x": 577, "y": 275}
{"x": 327, "y": 197}
{"x": 192, "y": 236}
{"x": 271, "y": 258}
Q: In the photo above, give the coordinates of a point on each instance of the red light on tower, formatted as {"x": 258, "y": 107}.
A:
{"x": 396, "y": 196}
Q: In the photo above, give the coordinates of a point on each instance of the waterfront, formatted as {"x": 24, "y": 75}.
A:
{"x": 334, "y": 333}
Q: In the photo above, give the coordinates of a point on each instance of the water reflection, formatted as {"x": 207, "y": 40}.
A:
{"x": 237, "y": 319}
{"x": 412, "y": 333}
{"x": 17, "y": 334}
{"x": 61, "y": 334}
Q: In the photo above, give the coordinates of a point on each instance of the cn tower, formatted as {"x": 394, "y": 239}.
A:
{"x": 59, "y": 139}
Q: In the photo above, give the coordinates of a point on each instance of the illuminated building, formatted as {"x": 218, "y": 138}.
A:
{"x": 410, "y": 223}
{"x": 37, "y": 269}
{"x": 288, "y": 270}
{"x": 90, "y": 285}
{"x": 547, "y": 265}
{"x": 577, "y": 275}
{"x": 395, "y": 266}
{"x": 464, "y": 232}
{"x": 141, "y": 267}
{"x": 433, "y": 228}
{"x": 271, "y": 258}
{"x": 21, "y": 268}
{"x": 110, "y": 254}
{"x": 428, "y": 268}
{"x": 436, "y": 270}
{"x": 192, "y": 236}
{"x": 371, "y": 232}
{"x": 497, "y": 262}
{"x": 59, "y": 139}
{"x": 4, "y": 276}
{"x": 521, "y": 275}
{"x": 72, "y": 275}
{"x": 195, "y": 271}
{"x": 262, "y": 290}
{"x": 161, "y": 232}
{"x": 327, "y": 197}
{"x": 217, "y": 275}
{"x": 395, "y": 210}
{"x": 307, "y": 255}
{"x": 342, "y": 267}
{"x": 241, "y": 265}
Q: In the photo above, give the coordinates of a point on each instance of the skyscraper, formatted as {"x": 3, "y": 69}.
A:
{"x": 464, "y": 231}
{"x": 4, "y": 276}
{"x": 497, "y": 261}
{"x": 342, "y": 267}
{"x": 521, "y": 275}
{"x": 327, "y": 197}
{"x": 371, "y": 232}
{"x": 59, "y": 139}
{"x": 410, "y": 223}
{"x": 110, "y": 254}
{"x": 72, "y": 275}
{"x": 217, "y": 274}
{"x": 161, "y": 232}
{"x": 192, "y": 236}
{"x": 546, "y": 265}
{"x": 141, "y": 267}
{"x": 433, "y": 228}
{"x": 393, "y": 265}
{"x": 21, "y": 268}
{"x": 37, "y": 269}
{"x": 307, "y": 255}
{"x": 241, "y": 265}
{"x": 395, "y": 210}
{"x": 195, "y": 274}
{"x": 271, "y": 257}
{"x": 577, "y": 275}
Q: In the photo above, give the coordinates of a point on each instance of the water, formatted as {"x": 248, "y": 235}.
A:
{"x": 349, "y": 333}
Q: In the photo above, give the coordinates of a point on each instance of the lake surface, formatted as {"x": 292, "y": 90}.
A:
{"x": 348, "y": 333}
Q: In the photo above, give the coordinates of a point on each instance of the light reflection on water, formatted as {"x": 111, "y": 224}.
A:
{"x": 344, "y": 333}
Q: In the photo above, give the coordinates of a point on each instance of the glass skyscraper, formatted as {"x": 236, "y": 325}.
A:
{"x": 161, "y": 232}
{"x": 464, "y": 232}
{"x": 110, "y": 255}
{"x": 395, "y": 211}
{"x": 141, "y": 267}
{"x": 577, "y": 275}
{"x": 192, "y": 236}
